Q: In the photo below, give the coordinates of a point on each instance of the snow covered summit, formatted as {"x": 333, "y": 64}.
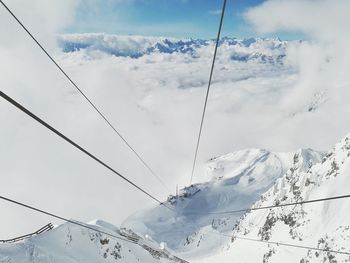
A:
{"x": 322, "y": 225}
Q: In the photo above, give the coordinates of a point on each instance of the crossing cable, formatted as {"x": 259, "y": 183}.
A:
{"x": 294, "y": 245}
{"x": 48, "y": 126}
{"x": 272, "y": 206}
{"x": 266, "y": 241}
{"x": 64, "y": 219}
{"x": 83, "y": 94}
{"x": 208, "y": 89}
{"x": 284, "y": 244}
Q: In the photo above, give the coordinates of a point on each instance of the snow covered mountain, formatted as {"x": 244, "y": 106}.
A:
{"x": 69, "y": 243}
{"x": 238, "y": 180}
{"x": 198, "y": 228}
{"x": 323, "y": 225}
{"x": 264, "y": 50}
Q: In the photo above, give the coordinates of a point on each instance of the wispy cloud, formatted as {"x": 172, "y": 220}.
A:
{"x": 214, "y": 12}
{"x": 326, "y": 57}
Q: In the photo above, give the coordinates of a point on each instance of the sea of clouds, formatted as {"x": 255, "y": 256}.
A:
{"x": 266, "y": 93}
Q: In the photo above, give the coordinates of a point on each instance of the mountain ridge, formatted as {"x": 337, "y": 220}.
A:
{"x": 321, "y": 225}
{"x": 261, "y": 49}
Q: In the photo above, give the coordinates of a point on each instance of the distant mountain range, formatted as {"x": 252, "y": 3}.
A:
{"x": 265, "y": 50}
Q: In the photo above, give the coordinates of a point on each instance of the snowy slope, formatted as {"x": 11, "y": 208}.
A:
{"x": 323, "y": 225}
{"x": 238, "y": 180}
{"x": 69, "y": 243}
{"x": 197, "y": 232}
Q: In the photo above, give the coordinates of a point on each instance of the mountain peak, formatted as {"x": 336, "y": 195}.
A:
{"x": 323, "y": 225}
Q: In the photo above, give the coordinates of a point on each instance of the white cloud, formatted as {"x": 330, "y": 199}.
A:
{"x": 320, "y": 19}
{"x": 43, "y": 18}
{"x": 323, "y": 60}
{"x": 215, "y": 12}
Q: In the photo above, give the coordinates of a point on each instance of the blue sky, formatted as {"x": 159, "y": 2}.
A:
{"x": 177, "y": 18}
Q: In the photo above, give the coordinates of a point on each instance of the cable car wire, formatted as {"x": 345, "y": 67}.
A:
{"x": 84, "y": 95}
{"x": 63, "y": 218}
{"x": 208, "y": 89}
{"x": 282, "y": 244}
{"x": 293, "y": 245}
{"x": 48, "y": 126}
{"x": 271, "y": 206}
